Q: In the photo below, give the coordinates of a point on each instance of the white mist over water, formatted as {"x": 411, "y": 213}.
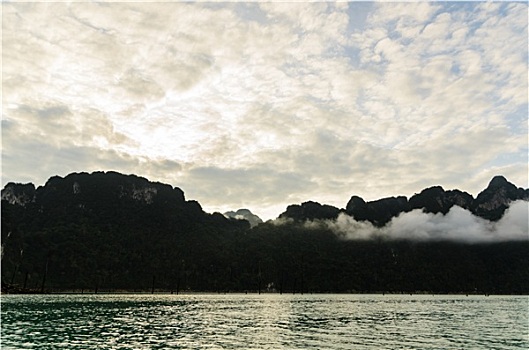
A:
{"x": 458, "y": 225}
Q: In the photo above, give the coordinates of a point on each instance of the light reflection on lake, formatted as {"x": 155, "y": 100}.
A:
{"x": 268, "y": 321}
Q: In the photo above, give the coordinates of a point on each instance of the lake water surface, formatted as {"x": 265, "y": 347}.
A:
{"x": 267, "y": 321}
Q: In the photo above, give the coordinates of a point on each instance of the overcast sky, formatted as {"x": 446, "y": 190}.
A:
{"x": 262, "y": 105}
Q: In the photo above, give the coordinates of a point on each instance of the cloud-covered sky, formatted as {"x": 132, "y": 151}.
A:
{"x": 261, "y": 105}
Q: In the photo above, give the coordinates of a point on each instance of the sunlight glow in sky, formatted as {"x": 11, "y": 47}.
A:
{"x": 261, "y": 105}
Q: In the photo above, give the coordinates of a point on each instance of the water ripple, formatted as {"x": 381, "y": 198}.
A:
{"x": 263, "y": 322}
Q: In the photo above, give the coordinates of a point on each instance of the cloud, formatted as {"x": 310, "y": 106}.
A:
{"x": 293, "y": 100}
{"x": 458, "y": 225}
{"x": 514, "y": 223}
{"x": 268, "y": 190}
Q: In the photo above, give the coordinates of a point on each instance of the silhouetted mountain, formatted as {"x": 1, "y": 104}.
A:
{"x": 93, "y": 226}
{"x": 244, "y": 214}
{"x": 20, "y": 194}
{"x": 492, "y": 201}
{"x": 310, "y": 211}
{"x": 109, "y": 232}
{"x": 109, "y": 198}
{"x": 378, "y": 212}
{"x": 489, "y": 204}
{"x": 437, "y": 200}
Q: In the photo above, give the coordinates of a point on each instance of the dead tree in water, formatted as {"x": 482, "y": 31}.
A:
{"x": 14, "y": 274}
{"x": 178, "y": 283}
{"x": 25, "y": 280}
{"x": 45, "y": 274}
{"x": 259, "y": 277}
{"x": 302, "y": 273}
{"x": 281, "y": 281}
{"x": 15, "y": 271}
{"x": 182, "y": 269}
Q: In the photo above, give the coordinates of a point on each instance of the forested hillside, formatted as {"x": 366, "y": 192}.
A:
{"x": 107, "y": 232}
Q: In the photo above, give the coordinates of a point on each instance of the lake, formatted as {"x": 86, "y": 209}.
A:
{"x": 266, "y": 321}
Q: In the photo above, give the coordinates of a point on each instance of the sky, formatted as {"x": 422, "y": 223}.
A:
{"x": 262, "y": 105}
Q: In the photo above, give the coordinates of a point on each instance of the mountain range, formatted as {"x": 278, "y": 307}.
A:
{"x": 107, "y": 231}
{"x": 490, "y": 204}
{"x": 94, "y": 193}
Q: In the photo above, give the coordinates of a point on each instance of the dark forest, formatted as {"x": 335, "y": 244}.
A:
{"x": 107, "y": 232}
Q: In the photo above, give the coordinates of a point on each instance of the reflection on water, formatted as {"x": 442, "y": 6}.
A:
{"x": 263, "y": 322}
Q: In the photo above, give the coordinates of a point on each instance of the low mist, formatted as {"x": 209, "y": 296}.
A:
{"x": 458, "y": 225}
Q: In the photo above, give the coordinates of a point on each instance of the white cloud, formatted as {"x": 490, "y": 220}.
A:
{"x": 417, "y": 13}
{"x": 269, "y": 88}
{"x": 439, "y": 28}
{"x": 458, "y": 225}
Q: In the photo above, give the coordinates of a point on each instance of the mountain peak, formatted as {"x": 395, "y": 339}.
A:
{"x": 20, "y": 194}
{"x": 490, "y": 204}
{"x": 499, "y": 181}
{"x": 244, "y": 214}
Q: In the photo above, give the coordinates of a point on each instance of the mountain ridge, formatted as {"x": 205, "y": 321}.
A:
{"x": 489, "y": 204}
{"x": 113, "y": 232}
{"x": 102, "y": 196}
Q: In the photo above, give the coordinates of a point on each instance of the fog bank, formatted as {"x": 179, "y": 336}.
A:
{"x": 458, "y": 225}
